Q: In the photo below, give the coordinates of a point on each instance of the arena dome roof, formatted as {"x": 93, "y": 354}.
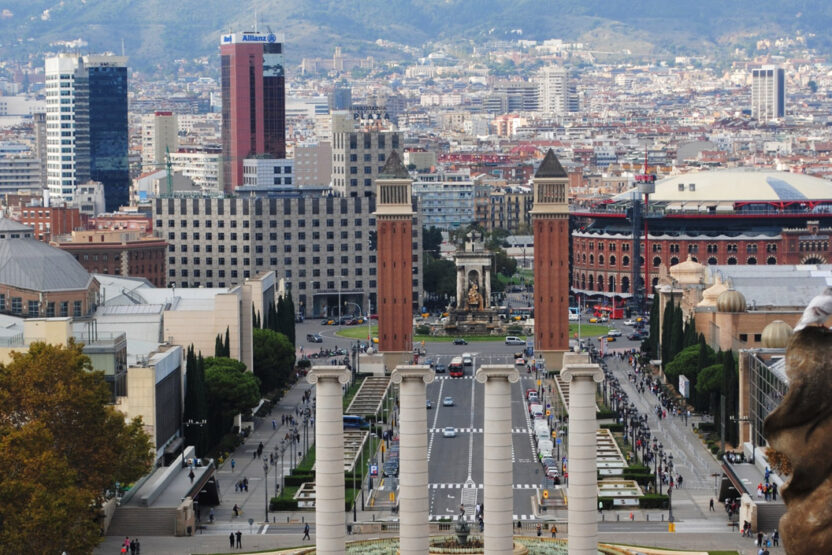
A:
{"x": 738, "y": 185}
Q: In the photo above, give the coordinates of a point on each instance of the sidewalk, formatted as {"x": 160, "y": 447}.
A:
{"x": 253, "y": 502}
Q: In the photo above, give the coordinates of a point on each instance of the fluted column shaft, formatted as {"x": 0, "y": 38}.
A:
{"x": 583, "y": 479}
{"x": 498, "y": 495}
{"x": 330, "y": 534}
{"x": 414, "y": 534}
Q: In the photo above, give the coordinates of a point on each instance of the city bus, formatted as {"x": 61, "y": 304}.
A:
{"x": 455, "y": 368}
{"x": 351, "y": 421}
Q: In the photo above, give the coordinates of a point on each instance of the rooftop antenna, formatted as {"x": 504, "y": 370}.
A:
{"x": 255, "y": 19}
{"x": 122, "y": 46}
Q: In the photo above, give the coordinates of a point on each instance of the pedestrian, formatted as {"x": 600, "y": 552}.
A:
{"x": 711, "y": 505}
{"x": 239, "y": 539}
{"x": 233, "y": 464}
{"x": 554, "y": 531}
{"x": 231, "y": 540}
{"x": 236, "y": 510}
{"x": 191, "y": 475}
{"x": 306, "y": 532}
{"x": 132, "y": 547}
{"x": 274, "y": 424}
{"x": 759, "y": 539}
{"x": 211, "y": 515}
{"x": 775, "y": 538}
{"x": 539, "y": 529}
{"x": 138, "y": 547}
{"x": 482, "y": 524}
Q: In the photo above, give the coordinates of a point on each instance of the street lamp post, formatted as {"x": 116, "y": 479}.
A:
{"x": 266, "y": 486}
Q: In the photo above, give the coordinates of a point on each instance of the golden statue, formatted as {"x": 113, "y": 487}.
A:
{"x": 474, "y": 297}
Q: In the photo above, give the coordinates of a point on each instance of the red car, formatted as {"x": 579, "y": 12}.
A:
{"x": 373, "y": 316}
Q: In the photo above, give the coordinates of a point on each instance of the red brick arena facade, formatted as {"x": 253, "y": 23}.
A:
{"x": 720, "y": 217}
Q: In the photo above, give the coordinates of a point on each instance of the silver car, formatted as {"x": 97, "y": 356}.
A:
{"x": 449, "y": 431}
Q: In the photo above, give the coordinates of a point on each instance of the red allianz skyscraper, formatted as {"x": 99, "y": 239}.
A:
{"x": 253, "y": 101}
{"x": 394, "y": 246}
{"x": 550, "y": 222}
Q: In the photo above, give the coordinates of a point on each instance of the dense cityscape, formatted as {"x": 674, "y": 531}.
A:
{"x": 204, "y": 273}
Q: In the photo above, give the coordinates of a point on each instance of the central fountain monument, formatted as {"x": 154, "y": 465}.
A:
{"x": 473, "y": 313}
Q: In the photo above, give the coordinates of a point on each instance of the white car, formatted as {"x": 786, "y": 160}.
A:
{"x": 614, "y": 333}
{"x": 449, "y": 431}
{"x": 448, "y": 402}
{"x": 629, "y": 322}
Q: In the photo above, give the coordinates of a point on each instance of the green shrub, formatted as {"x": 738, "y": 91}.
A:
{"x": 615, "y": 428}
{"x": 707, "y": 426}
{"x": 642, "y": 478}
{"x": 653, "y": 501}
{"x": 606, "y": 502}
{"x": 515, "y": 329}
{"x": 279, "y": 504}
{"x": 714, "y": 449}
{"x": 605, "y": 413}
{"x": 422, "y": 329}
{"x": 297, "y": 480}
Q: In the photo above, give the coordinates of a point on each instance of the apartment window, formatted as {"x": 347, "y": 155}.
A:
{"x": 33, "y": 308}
{"x": 76, "y": 309}
{"x": 65, "y": 307}
{"x": 50, "y": 310}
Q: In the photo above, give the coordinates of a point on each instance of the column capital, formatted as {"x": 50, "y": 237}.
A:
{"x": 404, "y": 372}
{"x": 494, "y": 371}
{"x": 338, "y": 373}
{"x": 574, "y": 371}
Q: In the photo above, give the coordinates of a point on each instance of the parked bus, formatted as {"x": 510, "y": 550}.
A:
{"x": 455, "y": 368}
{"x": 351, "y": 421}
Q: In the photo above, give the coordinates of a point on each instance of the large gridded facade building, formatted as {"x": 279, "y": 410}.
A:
{"x": 357, "y": 159}
{"x": 253, "y": 101}
{"x": 320, "y": 246}
{"x": 768, "y": 93}
{"x": 86, "y": 126}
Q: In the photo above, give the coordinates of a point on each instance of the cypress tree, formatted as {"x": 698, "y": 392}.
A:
{"x": 654, "y": 329}
{"x": 290, "y": 310}
{"x": 676, "y": 332}
{"x": 219, "y": 349}
{"x": 226, "y": 351}
{"x": 690, "y": 334}
{"x": 667, "y": 327}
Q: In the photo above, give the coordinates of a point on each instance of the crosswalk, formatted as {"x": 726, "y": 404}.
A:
{"x": 471, "y": 518}
{"x": 477, "y": 430}
{"x": 450, "y": 378}
{"x": 479, "y": 486}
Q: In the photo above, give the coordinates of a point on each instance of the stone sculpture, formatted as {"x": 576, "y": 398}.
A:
{"x": 801, "y": 430}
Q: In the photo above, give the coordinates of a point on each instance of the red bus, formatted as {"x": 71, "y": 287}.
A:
{"x": 611, "y": 312}
{"x": 455, "y": 368}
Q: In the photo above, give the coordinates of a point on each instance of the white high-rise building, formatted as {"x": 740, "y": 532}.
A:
{"x": 555, "y": 93}
{"x": 67, "y": 127}
{"x": 159, "y": 135}
{"x": 768, "y": 93}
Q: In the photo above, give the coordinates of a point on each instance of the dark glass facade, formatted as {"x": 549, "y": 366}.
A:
{"x": 108, "y": 134}
{"x": 274, "y": 101}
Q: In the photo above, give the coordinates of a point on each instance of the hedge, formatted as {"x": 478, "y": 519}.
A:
{"x": 615, "y": 428}
{"x": 298, "y": 479}
{"x": 606, "y": 413}
{"x": 707, "y": 426}
{"x": 653, "y": 501}
{"x": 642, "y": 478}
{"x": 606, "y": 502}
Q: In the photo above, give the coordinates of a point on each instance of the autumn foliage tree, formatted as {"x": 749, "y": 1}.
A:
{"x": 62, "y": 444}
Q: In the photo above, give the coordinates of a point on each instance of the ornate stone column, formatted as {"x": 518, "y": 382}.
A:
{"x": 413, "y": 460}
{"x": 583, "y": 480}
{"x": 498, "y": 496}
{"x": 330, "y": 533}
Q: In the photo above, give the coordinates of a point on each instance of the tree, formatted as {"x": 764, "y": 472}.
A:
{"x": 813, "y": 86}
{"x": 653, "y": 338}
{"x": 431, "y": 241}
{"x": 691, "y": 337}
{"x": 61, "y": 445}
{"x": 504, "y": 264}
{"x": 667, "y": 326}
{"x": 219, "y": 349}
{"x": 676, "y": 333}
{"x": 196, "y": 405}
{"x": 230, "y": 390}
{"x": 439, "y": 276}
{"x": 274, "y": 359}
{"x": 43, "y": 510}
{"x": 289, "y": 332}
{"x": 226, "y": 348}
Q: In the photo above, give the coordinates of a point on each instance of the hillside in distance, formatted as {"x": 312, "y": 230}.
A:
{"x": 155, "y": 32}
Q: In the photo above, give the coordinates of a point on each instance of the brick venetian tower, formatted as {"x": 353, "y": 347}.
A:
{"x": 550, "y": 221}
{"x": 394, "y": 247}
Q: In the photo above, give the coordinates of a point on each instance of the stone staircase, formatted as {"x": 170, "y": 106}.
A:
{"x": 143, "y": 521}
{"x": 768, "y": 515}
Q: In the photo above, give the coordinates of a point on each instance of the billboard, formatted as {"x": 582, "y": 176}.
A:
{"x": 684, "y": 386}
